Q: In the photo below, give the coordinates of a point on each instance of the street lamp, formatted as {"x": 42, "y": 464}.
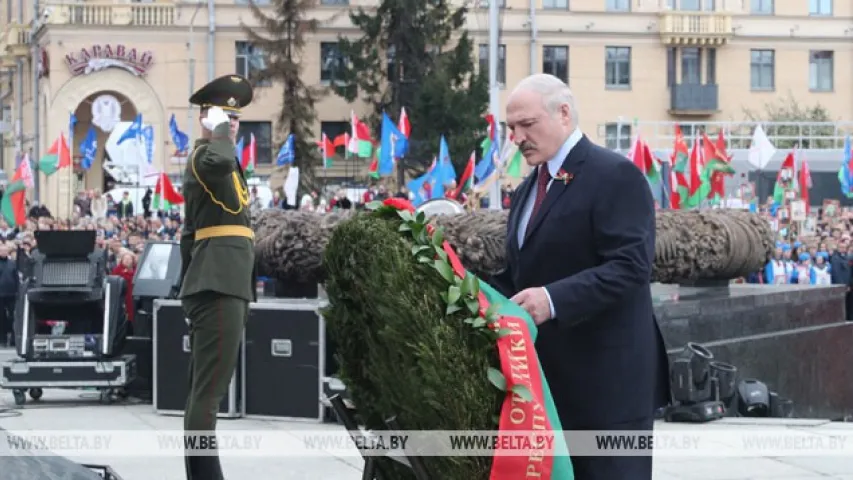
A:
{"x": 493, "y": 26}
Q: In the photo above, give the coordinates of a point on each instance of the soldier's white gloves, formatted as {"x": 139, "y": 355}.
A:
{"x": 215, "y": 117}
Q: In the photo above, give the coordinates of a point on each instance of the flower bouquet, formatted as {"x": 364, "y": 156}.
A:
{"x": 420, "y": 339}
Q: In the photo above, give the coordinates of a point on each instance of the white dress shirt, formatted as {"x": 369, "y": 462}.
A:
{"x": 553, "y": 168}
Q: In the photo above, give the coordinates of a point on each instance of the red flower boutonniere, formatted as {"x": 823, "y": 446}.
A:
{"x": 564, "y": 176}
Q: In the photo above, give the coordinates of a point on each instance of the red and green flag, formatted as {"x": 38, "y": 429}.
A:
{"x": 360, "y": 142}
{"x": 786, "y": 173}
{"x": 466, "y": 181}
{"x": 57, "y": 157}
{"x": 249, "y": 155}
{"x": 14, "y": 202}
{"x": 327, "y": 150}
{"x": 165, "y": 195}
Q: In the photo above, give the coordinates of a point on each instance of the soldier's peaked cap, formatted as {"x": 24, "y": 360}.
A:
{"x": 230, "y": 93}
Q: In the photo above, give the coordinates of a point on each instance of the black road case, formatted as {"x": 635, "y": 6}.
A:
{"x": 114, "y": 373}
{"x": 172, "y": 360}
{"x": 285, "y": 357}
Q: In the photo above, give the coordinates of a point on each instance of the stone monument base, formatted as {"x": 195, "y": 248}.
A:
{"x": 791, "y": 337}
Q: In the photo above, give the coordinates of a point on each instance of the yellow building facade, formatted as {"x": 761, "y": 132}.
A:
{"x": 629, "y": 63}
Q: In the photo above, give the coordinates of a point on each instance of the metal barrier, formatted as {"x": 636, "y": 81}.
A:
{"x": 783, "y": 135}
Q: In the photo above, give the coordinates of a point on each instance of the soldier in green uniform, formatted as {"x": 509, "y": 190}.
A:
{"x": 218, "y": 276}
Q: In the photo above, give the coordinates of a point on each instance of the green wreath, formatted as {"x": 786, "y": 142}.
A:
{"x": 419, "y": 338}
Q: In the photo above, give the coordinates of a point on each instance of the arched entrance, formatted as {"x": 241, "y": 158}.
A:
{"x": 137, "y": 96}
{"x": 98, "y": 113}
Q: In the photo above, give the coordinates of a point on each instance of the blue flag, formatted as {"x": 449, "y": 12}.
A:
{"x": 148, "y": 137}
{"x": 393, "y": 145}
{"x": 238, "y": 150}
{"x": 488, "y": 163}
{"x": 72, "y": 122}
{"x": 179, "y": 138}
{"x": 845, "y": 173}
{"x": 134, "y": 131}
{"x": 285, "y": 153}
{"x": 444, "y": 172}
{"x": 88, "y": 149}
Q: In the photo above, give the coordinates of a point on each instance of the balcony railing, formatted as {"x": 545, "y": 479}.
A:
{"x": 13, "y": 44}
{"x": 695, "y": 28}
{"x": 107, "y": 13}
{"x": 695, "y": 99}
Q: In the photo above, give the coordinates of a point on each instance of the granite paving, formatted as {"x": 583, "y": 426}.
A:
{"x": 80, "y": 410}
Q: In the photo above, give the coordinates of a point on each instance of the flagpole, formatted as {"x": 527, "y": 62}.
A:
{"x": 71, "y": 126}
{"x": 494, "y": 91}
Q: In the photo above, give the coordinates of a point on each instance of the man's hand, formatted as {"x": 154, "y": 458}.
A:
{"x": 535, "y": 301}
{"x": 215, "y": 117}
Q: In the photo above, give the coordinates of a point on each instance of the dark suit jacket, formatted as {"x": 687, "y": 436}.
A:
{"x": 592, "y": 245}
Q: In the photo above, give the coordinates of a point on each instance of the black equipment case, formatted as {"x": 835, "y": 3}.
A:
{"x": 171, "y": 342}
{"x": 113, "y": 373}
{"x": 285, "y": 360}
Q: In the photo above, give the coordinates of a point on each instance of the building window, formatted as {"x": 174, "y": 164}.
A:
{"x": 618, "y": 5}
{"x": 263, "y": 139}
{"x": 690, "y": 130}
{"x": 690, "y": 5}
{"x": 820, "y": 7}
{"x": 484, "y": 62}
{"x": 332, "y": 62}
{"x": 617, "y": 67}
{"x": 617, "y": 136}
{"x": 761, "y": 7}
{"x": 555, "y": 4}
{"x": 762, "y": 67}
{"x": 711, "y": 70}
{"x": 821, "y": 71}
{"x": 250, "y": 61}
{"x": 691, "y": 66}
{"x": 555, "y": 60}
{"x": 334, "y": 2}
{"x": 333, "y": 129}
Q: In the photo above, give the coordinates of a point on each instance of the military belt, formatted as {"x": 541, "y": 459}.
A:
{"x": 224, "y": 231}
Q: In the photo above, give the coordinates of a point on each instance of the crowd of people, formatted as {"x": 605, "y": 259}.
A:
{"x": 823, "y": 255}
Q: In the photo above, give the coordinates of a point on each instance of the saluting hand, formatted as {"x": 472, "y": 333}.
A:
{"x": 535, "y": 301}
{"x": 215, "y": 117}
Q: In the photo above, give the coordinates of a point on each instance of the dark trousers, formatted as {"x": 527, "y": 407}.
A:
{"x": 616, "y": 467}
{"x": 216, "y": 327}
{"x": 848, "y": 301}
{"x": 7, "y": 320}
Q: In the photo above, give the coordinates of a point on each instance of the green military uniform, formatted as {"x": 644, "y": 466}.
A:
{"x": 218, "y": 276}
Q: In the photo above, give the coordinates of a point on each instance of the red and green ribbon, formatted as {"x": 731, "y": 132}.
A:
{"x": 519, "y": 364}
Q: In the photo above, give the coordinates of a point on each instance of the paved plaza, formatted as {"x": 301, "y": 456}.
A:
{"x": 80, "y": 410}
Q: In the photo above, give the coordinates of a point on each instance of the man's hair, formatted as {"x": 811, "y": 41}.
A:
{"x": 554, "y": 93}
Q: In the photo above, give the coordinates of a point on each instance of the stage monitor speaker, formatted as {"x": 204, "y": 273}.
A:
{"x": 285, "y": 359}
{"x": 159, "y": 272}
{"x": 171, "y": 342}
{"x": 87, "y": 327}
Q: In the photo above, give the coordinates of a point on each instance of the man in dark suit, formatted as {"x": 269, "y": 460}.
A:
{"x": 580, "y": 247}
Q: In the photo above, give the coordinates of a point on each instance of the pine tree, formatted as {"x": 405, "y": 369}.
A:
{"x": 282, "y": 39}
{"x": 417, "y": 55}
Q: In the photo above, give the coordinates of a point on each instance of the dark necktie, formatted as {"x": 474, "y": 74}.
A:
{"x": 541, "y": 191}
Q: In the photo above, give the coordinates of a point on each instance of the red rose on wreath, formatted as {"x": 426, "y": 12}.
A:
{"x": 564, "y": 176}
{"x": 399, "y": 204}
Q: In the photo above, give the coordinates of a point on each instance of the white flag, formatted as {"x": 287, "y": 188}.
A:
{"x": 761, "y": 150}
{"x": 291, "y": 183}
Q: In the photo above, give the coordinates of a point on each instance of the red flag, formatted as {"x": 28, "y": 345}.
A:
{"x": 165, "y": 194}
